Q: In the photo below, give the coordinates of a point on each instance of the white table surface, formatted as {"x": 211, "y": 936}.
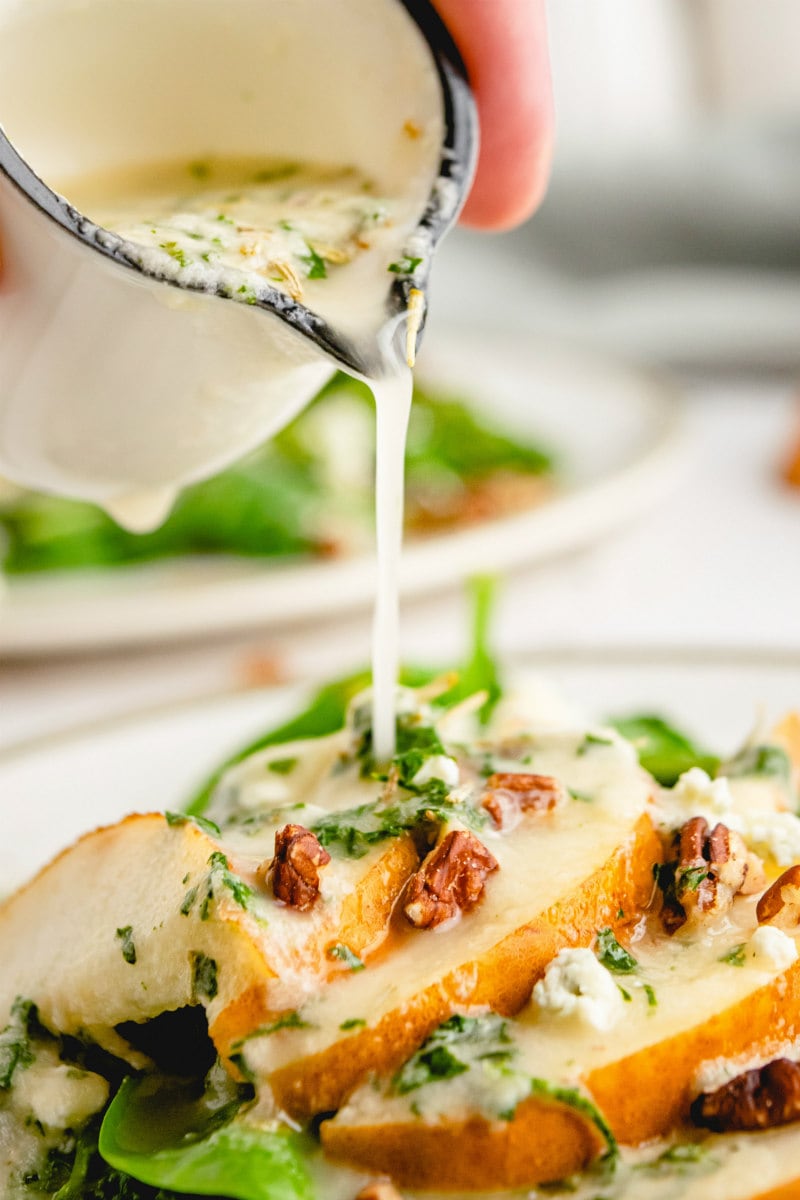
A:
{"x": 716, "y": 567}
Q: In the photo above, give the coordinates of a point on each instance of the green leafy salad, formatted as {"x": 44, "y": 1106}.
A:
{"x": 307, "y": 492}
{"x": 162, "y": 1077}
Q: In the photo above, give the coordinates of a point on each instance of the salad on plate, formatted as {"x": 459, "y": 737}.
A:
{"x": 533, "y": 954}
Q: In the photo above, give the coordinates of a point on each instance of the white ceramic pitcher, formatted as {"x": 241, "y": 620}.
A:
{"x": 115, "y": 383}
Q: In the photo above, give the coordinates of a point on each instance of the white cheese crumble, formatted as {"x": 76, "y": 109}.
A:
{"x": 575, "y": 984}
{"x": 770, "y": 833}
{"x": 775, "y": 834}
{"x": 438, "y": 766}
{"x": 61, "y": 1097}
{"x": 700, "y": 795}
{"x": 771, "y": 947}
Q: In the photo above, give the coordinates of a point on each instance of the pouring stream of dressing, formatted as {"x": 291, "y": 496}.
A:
{"x": 392, "y": 409}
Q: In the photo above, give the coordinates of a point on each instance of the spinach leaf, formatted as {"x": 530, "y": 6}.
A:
{"x": 269, "y": 504}
{"x": 760, "y": 760}
{"x": 481, "y": 673}
{"x": 161, "y": 1134}
{"x": 324, "y": 714}
{"x": 663, "y": 750}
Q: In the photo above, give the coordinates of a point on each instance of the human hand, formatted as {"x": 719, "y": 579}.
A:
{"x": 504, "y": 46}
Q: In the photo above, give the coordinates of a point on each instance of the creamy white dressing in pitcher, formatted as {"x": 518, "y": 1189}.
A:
{"x": 324, "y": 238}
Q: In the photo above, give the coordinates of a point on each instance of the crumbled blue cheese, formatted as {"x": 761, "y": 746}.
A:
{"x": 700, "y": 795}
{"x": 575, "y": 984}
{"x": 768, "y": 831}
{"x": 771, "y": 947}
{"x": 438, "y": 766}
{"x": 774, "y": 834}
{"x": 60, "y": 1096}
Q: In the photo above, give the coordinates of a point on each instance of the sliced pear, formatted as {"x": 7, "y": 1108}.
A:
{"x": 562, "y": 876}
{"x": 545, "y": 1141}
{"x": 146, "y": 916}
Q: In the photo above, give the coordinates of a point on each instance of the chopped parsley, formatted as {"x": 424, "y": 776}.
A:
{"x": 345, "y": 955}
{"x": 16, "y": 1051}
{"x": 438, "y": 1059}
{"x": 404, "y": 266}
{"x": 241, "y": 892}
{"x": 205, "y": 979}
{"x": 626, "y": 996}
{"x": 289, "y": 1020}
{"x": 591, "y": 740}
{"x": 576, "y": 1100}
{"x": 612, "y": 955}
{"x": 683, "y": 1152}
{"x": 210, "y": 827}
{"x": 416, "y": 743}
{"x": 678, "y": 1159}
{"x": 219, "y": 878}
{"x": 282, "y": 766}
{"x": 735, "y": 957}
{"x": 649, "y": 991}
{"x": 690, "y": 878}
{"x": 356, "y": 830}
{"x": 125, "y": 936}
{"x": 315, "y": 264}
{"x": 428, "y": 1066}
{"x": 177, "y": 252}
{"x": 352, "y": 1023}
{"x": 584, "y": 797}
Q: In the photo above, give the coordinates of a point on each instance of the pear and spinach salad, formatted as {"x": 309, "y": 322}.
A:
{"x": 530, "y": 954}
{"x": 307, "y": 493}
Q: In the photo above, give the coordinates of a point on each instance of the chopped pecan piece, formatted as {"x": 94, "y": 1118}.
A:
{"x": 295, "y": 867}
{"x": 451, "y": 880}
{"x": 380, "y": 1189}
{"x": 780, "y": 904}
{"x": 509, "y": 793}
{"x": 712, "y": 866}
{"x": 758, "y": 1099}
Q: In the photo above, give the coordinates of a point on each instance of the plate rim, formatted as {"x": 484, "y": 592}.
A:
{"x": 268, "y": 595}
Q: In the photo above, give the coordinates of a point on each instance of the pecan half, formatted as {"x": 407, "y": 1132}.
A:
{"x": 295, "y": 867}
{"x": 509, "y": 793}
{"x": 451, "y": 880}
{"x": 780, "y": 904}
{"x": 758, "y": 1099}
{"x": 712, "y": 866}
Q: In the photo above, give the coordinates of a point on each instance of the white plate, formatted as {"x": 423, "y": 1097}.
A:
{"x": 64, "y": 786}
{"x": 617, "y": 434}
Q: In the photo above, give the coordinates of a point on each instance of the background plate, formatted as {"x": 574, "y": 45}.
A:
{"x": 617, "y": 436}
{"x": 64, "y": 786}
